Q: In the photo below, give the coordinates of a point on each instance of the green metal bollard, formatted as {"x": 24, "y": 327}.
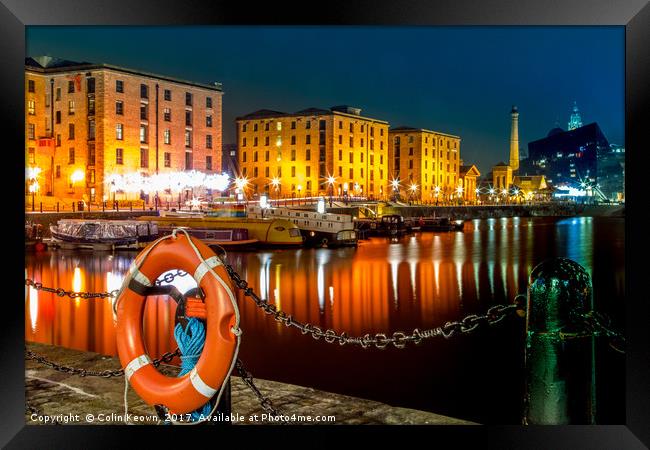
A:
{"x": 560, "y": 373}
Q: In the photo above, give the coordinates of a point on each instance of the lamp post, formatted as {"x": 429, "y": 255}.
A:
{"x": 275, "y": 182}
{"x": 395, "y": 184}
{"x": 491, "y": 191}
{"x": 459, "y": 191}
{"x": 330, "y": 182}
{"x": 32, "y": 181}
{"x": 299, "y": 188}
{"x": 413, "y": 189}
{"x": 77, "y": 175}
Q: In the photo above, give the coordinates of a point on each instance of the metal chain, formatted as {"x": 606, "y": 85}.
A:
{"x": 494, "y": 314}
{"x": 62, "y": 292}
{"x": 600, "y": 324}
{"x": 168, "y": 278}
{"x": 265, "y": 402}
{"x": 166, "y": 357}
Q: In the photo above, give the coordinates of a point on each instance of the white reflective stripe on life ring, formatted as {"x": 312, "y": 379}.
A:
{"x": 135, "y": 365}
{"x": 139, "y": 276}
{"x": 200, "y": 385}
{"x": 205, "y": 267}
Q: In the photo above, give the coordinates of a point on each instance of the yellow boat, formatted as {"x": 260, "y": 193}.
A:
{"x": 269, "y": 232}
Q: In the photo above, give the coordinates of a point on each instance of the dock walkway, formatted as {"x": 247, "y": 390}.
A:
{"x": 54, "y": 393}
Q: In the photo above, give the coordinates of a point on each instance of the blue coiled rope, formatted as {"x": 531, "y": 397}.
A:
{"x": 190, "y": 342}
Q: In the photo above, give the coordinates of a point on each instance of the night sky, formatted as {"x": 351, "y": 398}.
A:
{"x": 457, "y": 80}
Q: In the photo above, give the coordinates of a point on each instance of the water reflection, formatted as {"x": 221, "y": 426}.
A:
{"x": 421, "y": 280}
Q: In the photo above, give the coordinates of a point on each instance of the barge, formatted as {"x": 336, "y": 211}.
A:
{"x": 317, "y": 229}
{"x": 267, "y": 232}
{"x": 102, "y": 235}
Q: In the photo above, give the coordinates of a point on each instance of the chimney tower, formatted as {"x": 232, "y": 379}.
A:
{"x": 514, "y": 139}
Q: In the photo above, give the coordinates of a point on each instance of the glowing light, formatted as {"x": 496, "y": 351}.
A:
{"x": 195, "y": 202}
{"x": 459, "y": 189}
{"x": 77, "y": 175}
{"x": 76, "y": 280}
{"x": 504, "y": 192}
{"x": 264, "y": 202}
{"x": 320, "y": 208}
{"x": 491, "y": 191}
{"x": 275, "y": 182}
{"x": 175, "y": 181}
{"x": 395, "y": 183}
{"x": 241, "y": 183}
{"x": 33, "y": 172}
{"x": 414, "y": 187}
{"x": 331, "y": 180}
{"x": 299, "y": 187}
{"x": 33, "y": 307}
{"x": 33, "y": 187}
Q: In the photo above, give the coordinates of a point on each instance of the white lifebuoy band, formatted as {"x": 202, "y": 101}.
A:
{"x": 204, "y": 267}
{"x": 135, "y": 365}
{"x": 200, "y": 385}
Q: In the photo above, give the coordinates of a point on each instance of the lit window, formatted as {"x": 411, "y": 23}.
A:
{"x": 143, "y": 134}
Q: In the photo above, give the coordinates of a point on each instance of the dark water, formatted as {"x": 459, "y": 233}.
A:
{"x": 420, "y": 281}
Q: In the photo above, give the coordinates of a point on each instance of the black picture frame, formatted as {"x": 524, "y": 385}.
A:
{"x": 634, "y": 15}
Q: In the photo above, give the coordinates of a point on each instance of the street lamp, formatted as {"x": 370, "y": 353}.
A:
{"x": 275, "y": 182}
{"x": 459, "y": 191}
{"x": 240, "y": 184}
{"x": 395, "y": 183}
{"x": 299, "y": 188}
{"x": 32, "y": 177}
{"x": 77, "y": 175}
{"x": 330, "y": 182}
{"x": 413, "y": 189}
{"x": 436, "y": 191}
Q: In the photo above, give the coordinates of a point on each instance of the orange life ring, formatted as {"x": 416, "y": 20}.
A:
{"x": 189, "y": 392}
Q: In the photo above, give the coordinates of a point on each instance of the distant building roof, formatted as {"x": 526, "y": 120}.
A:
{"x": 464, "y": 170}
{"x": 267, "y": 113}
{"x": 312, "y": 111}
{"x": 554, "y": 131}
{"x": 500, "y": 164}
{"x": 404, "y": 128}
{"x": 48, "y": 64}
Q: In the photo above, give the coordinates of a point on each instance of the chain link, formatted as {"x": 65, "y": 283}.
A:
{"x": 72, "y": 294}
{"x": 398, "y": 339}
{"x": 168, "y": 278}
{"x": 265, "y": 402}
{"x": 600, "y": 324}
{"x": 166, "y": 358}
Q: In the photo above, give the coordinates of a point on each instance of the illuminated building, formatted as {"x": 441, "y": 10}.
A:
{"x": 575, "y": 121}
{"x": 424, "y": 159}
{"x": 611, "y": 172}
{"x": 468, "y": 176}
{"x": 294, "y": 154}
{"x": 568, "y": 157}
{"x": 532, "y": 187}
{"x": 85, "y": 122}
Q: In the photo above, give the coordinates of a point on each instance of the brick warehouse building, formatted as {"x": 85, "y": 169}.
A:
{"x": 84, "y": 122}
{"x": 302, "y": 150}
{"x": 426, "y": 163}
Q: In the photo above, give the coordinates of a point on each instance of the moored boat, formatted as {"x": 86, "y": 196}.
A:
{"x": 222, "y": 237}
{"x": 318, "y": 229}
{"x": 102, "y": 234}
{"x": 268, "y": 232}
